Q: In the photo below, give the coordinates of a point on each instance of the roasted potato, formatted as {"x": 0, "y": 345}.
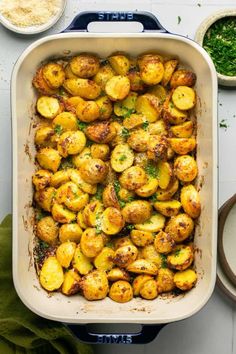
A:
{"x": 180, "y": 227}
{"x": 120, "y": 64}
{"x": 91, "y": 212}
{"x": 48, "y": 107}
{"x": 139, "y": 282}
{"x": 141, "y": 238}
{"x": 168, "y": 208}
{"x": 157, "y": 128}
{"x": 81, "y": 263}
{"x": 82, "y": 157}
{"x": 133, "y": 178}
{"x": 62, "y": 214}
{"x": 45, "y": 198}
{"x": 121, "y": 291}
{"x": 66, "y": 121}
{"x": 166, "y": 194}
{"x": 137, "y": 212}
{"x": 149, "y": 290}
{"x": 102, "y": 132}
{"x": 151, "y": 69}
{"x": 149, "y": 106}
{"x": 80, "y": 220}
{"x": 70, "y": 232}
{"x": 105, "y": 107}
{"x": 109, "y": 197}
{"x": 75, "y": 176}
{"x": 134, "y": 121}
{"x": 65, "y": 253}
{"x": 82, "y": 87}
{"x": 47, "y": 230}
{"x": 185, "y": 168}
{"x": 181, "y": 258}
{"x": 136, "y": 83}
{"x": 112, "y": 221}
{"x": 190, "y": 201}
{"x": 69, "y": 73}
{"x": 182, "y": 77}
{"x": 122, "y": 157}
{"x": 157, "y": 148}
{"x": 139, "y": 140}
{"x": 184, "y": 97}
{"x": 150, "y": 253}
{"x": 117, "y": 88}
{"x": 41, "y": 179}
{"x": 71, "y": 284}
{"x": 164, "y": 243}
{"x": 118, "y": 274}
{"x": 173, "y": 115}
{"x": 93, "y": 171}
{"x": 95, "y": 285}
{"x": 41, "y": 84}
{"x": 71, "y": 143}
{"x": 91, "y": 243}
{"x": 104, "y": 260}
{"x": 165, "y": 280}
{"x": 48, "y": 159}
{"x": 44, "y": 137}
{"x": 184, "y": 130}
{"x": 154, "y": 224}
{"x": 51, "y": 275}
{"x": 169, "y": 68}
{"x": 54, "y": 74}
{"x": 125, "y": 255}
{"x": 125, "y": 107}
{"x": 158, "y": 91}
{"x": 182, "y": 146}
{"x": 100, "y": 151}
{"x": 84, "y": 65}
{"x": 104, "y": 74}
{"x": 87, "y": 111}
{"x": 165, "y": 174}
{"x": 185, "y": 279}
{"x": 142, "y": 266}
{"x": 148, "y": 189}
{"x": 122, "y": 241}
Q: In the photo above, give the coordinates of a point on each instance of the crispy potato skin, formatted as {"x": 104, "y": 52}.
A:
{"x": 114, "y": 190}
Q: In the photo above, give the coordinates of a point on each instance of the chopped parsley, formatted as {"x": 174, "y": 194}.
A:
{"x": 130, "y": 227}
{"x": 66, "y": 163}
{"x": 122, "y": 158}
{"x": 145, "y": 125}
{"x": 125, "y": 133}
{"x": 129, "y": 111}
{"x": 81, "y": 125}
{"x": 152, "y": 169}
{"x": 98, "y": 225}
{"x": 153, "y": 198}
{"x": 102, "y": 110}
{"x": 39, "y": 215}
{"x": 177, "y": 252}
{"x": 163, "y": 261}
{"x": 223, "y": 124}
{"x": 58, "y": 129}
{"x": 122, "y": 203}
{"x": 179, "y": 20}
{"x": 98, "y": 194}
{"x": 116, "y": 185}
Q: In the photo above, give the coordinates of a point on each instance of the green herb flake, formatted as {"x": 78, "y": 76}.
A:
{"x": 130, "y": 227}
{"x": 116, "y": 185}
{"x": 220, "y": 43}
{"x": 199, "y": 5}
{"x": 98, "y": 194}
{"x": 177, "y": 252}
{"x": 122, "y": 158}
{"x": 81, "y": 125}
{"x": 163, "y": 261}
{"x": 151, "y": 169}
{"x": 89, "y": 143}
{"x": 145, "y": 125}
{"x": 128, "y": 112}
{"x": 153, "y": 198}
{"x": 98, "y": 225}
{"x": 179, "y": 20}
{"x": 125, "y": 133}
{"x": 58, "y": 129}
{"x": 66, "y": 163}
{"x": 122, "y": 203}
{"x": 102, "y": 110}
{"x": 223, "y": 124}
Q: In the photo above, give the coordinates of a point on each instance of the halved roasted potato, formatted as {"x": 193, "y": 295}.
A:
{"x": 117, "y": 88}
{"x": 157, "y": 128}
{"x": 104, "y": 260}
{"x": 173, "y": 115}
{"x": 109, "y": 197}
{"x": 125, "y": 107}
{"x": 48, "y": 159}
{"x": 180, "y": 227}
{"x": 82, "y": 157}
{"x": 118, "y": 274}
{"x": 111, "y": 221}
{"x": 71, "y": 143}
{"x": 119, "y": 63}
{"x": 169, "y": 68}
{"x": 95, "y": 285}
{"x": 91, "y": 243}
{"x": 182, "y": 146}
{"x": 149, "y": 106}
{"x": 42, "y": 179}
{"x": 190, "y": 201}
{"x": 184, "y": 130}
{"x": 82, "y": 87}
{"x": 168, "y": 208}
{"x": 65, "y": 253}
{"x": 121, "y": 291}
{"x": 184, "y": 97}
{"x": 165, "y": 174}
{"x": 154, "y": 224}
{"x": 102, "y": 132}
{"x": 186, "y": 279}
{"x": 104, "y": 74}
{"x": 165, "y": 280}
{"x": 148, "y": 189}
{"x": 70, "y": 232}
{"x": 75, "y": 176}
{"x": 150, "y": 253}
{"x": 44, "y": 137}
{"x": 185, "y": 168}
{"x": 137, "y": 211}
{"x": 51, "y": 275}
{"x": 45, "y": 198}
{"x": 105, "y": 107}
{"x": 92, "y": 211}
{"x": 142, "y": 266}
{"x": 139, "y": 281}
{"x": 93, "y": 171}
{"x": 134, "y": 121}
{"x": 84, "y": 65}
{"x": 81, "y": 263}
{"x": 122, "y": 157}
{"x": 136, "y": 83}
{"x": 133, "y": 178}
{"x": 125, "y": 255}
{"x": 87, "y": 111}
{"x": 183, "y": 77}
{"x": 141, "y": 238}
{"x": 65, "y": 121}
{"x": 54, "y": 74}
{"x": 164, "y": 243}
{"x": 139, "y": 140}
{"x": 48, "y": 106}
{"x": 122, "y": 241}
{"x": 71, "y": 284}
{"x": 62, "y": 214}
{"x": 157, "y": 148}
{"x": 41, "y": 84}
{"x": 181, "y": 258}
{"x": 159, "y": 91}
{"x": 166, "y": 194}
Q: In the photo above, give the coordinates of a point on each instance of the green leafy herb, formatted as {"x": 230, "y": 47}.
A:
{"x": 223, "y": 124}
{"x": 153, "y": 198}
{"x": 122, "y": 203}
{"x": 89, "y": 143}
{"x": 128, "y": 112}
{"x": 66, "y": 163}
{"x": 163, "y": 261}
{"x": 82, "y": 126}
{"x": 122, "y": 158}
{"x": 220, "y": 43}
{"x": 125, "y": 133}
{"x": 177, "y": 252}
{"x": 130, "y": 227}
{"x": 152, "y": 169}
{"x": 145, "y": 125}
{"x": 98, "y": 194}
{"x": 199, "y": 5}
{"x": 98, "y": 225}
{"x": 179, "y": 20}
{"x": 116, "y": 185}
{"x": 102, "y": 110}
{"x": 58, "y": 129}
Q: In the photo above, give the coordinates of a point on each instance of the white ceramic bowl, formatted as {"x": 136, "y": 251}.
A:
{"x": 29, "y": 30}
{"x": 201, "y": 31}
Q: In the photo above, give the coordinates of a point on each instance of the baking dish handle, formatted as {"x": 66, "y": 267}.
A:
{"x": 147, "y": 334}
{"x": 147, "y": 19}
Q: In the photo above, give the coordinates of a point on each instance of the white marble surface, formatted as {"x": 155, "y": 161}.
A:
{"x": 213, "y": 329}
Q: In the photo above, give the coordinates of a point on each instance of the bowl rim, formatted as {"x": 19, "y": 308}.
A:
{"x": 201, "y": 31}
{"x": 31, "y": 30}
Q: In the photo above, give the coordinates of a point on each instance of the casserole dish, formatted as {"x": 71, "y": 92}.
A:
{"x": 77, "y": 310}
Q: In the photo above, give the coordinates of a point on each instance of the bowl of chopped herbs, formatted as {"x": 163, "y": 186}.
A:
{"x": 217, "y": 35}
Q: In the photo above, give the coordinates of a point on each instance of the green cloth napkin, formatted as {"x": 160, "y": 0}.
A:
{"x": 21, "y": 331}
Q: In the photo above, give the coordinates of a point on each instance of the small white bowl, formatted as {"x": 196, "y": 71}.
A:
{"x": 201, "y": 31}
{"x": 29, "y": 30}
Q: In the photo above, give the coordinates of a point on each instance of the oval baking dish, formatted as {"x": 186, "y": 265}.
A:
{"x": 77, "y": 310}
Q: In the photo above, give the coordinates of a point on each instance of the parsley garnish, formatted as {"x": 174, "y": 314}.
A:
{"x": 145, "y": 125}
{"x": 98, "y": 225}
{"x": 179, "y": 20}
{"x": 98, "y": 194}
{"x": 125, "y": 133}
{"x": 122, "y": 158}
{"x": 130, "y": 227}
{"x": 116, "y": 186}
{"x": 163, "y": 261}
{"x": 122, "y": 203}
{"x": 89, "y": 143}
{"x": 151, "y": 169}
{"x": 129, "y": 111}
{"x": 153, "y": 198}
{"x": 82, "y": 126}
{"x": 223, "y": 124}
{"x": 58, "y": 129}
{"x": 66, "y": 163}
{"x": 177, "y": 252}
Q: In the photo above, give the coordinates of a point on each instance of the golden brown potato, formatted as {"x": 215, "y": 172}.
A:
{"x": 95, "y": 285}
{"x": 150, "y": 253}
{"x": 54, "y": 75}
{"x": 70, "y": 232}
{"x": 72, "y": 196}
{"x": 154, "y": 224}
{"x": 180, "y": 227}
{"x": 181, "y": 258}
{"x": 149, "y": 106}
{"x": 165, "y": 174}
{"x": 139, "y": 281}
{"x": 48, "y": 107}
{"x": 173, "y": 115}
{"x": 184, "y": 97}
{"x": 102, "y": 132}
{"x": 41, "y": 179}
{"x": 71, "y": 284}
{"x": 65, "y": 121}
{"x": 158, "y": 91}
{"x": 141, "y": 160}
{"x": 186, "y": 279}
{"x": 139, "y": 140}
{"x": 41, "y": 84}
{"x": 45, "y": 198}
{"x": 100, "y": 151}
{"x": 118, "y": 274}
{"x": 71, "y": 143}
{"x": 183, "y": 77}
{"x": 136, "y": 83}
{"x": 164, "y": 243}
{"x": 109, "y": 197}
{"x": 137, "y": 211}
{"x": 148, "y": 189}
{"x": 133, "y": 178}
{"x": 169, "y": 67}
{"x": 48, "y": 159}
{"x": 85, "y": 155}
{"x": 141, "y": 238}
{"x": 51, "y": 275}
{"x": 105, "y": 107}
{"x": 65, "y": 253}
{"x": 62, "y": 214}
{"x": 151, "y": 69}
{"x": 125, "y": 255}
{"x": 117, "y": 88}
{"x": 121, "y": 291}
{"x": 122, "y": 157}
{"x": 121, "y": 134}
{"x": 87, "y": 111}
{"x": 185, "y": 168}
{"x": 166, "y": 194}
{"x": 104, "y": 260}
{"x": 47, "y": 230}
{"x": 149, "y": 290}
{"x": 120, "y": 64}
{"x": 60, "y": 177}
{"x": 68, "y": 72}
{"x": 80, "y": 220}
{"x": 165, "y": 280}
{"x": 84, "y": 65}
{"x": 125, "y": 107}
{"x": 75, "y": 177}
{"x": 93, "y": 171}
{"x": 81, "y": 263}
{"x": 112, "y": 221}
{"x": 184, "y": 130}
{"x": 91, "y": 212}
{"x": 182, "y": 146}
{"x": 157, "y": 148}
{"x": 157, "y": 128}
{"x": 168, "y": 208}
{"x": 143, "y": 266}
{"x": 91, "y": 243}
{"x": 122, "y": 241}
{"x": 134, "y": 121}
{"x": 44, "y": 137}
{"x": 104, "y": 74}
{"x": 82, "y": 87}
{"x": 190, "y": 201}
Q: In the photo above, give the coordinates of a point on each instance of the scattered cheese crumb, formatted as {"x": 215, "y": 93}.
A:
{"x": 23, "y": 13}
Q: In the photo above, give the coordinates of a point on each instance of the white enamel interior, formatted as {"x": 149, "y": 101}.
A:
{"x": 229, "y": 238}
{"x": 76, "y": 309}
